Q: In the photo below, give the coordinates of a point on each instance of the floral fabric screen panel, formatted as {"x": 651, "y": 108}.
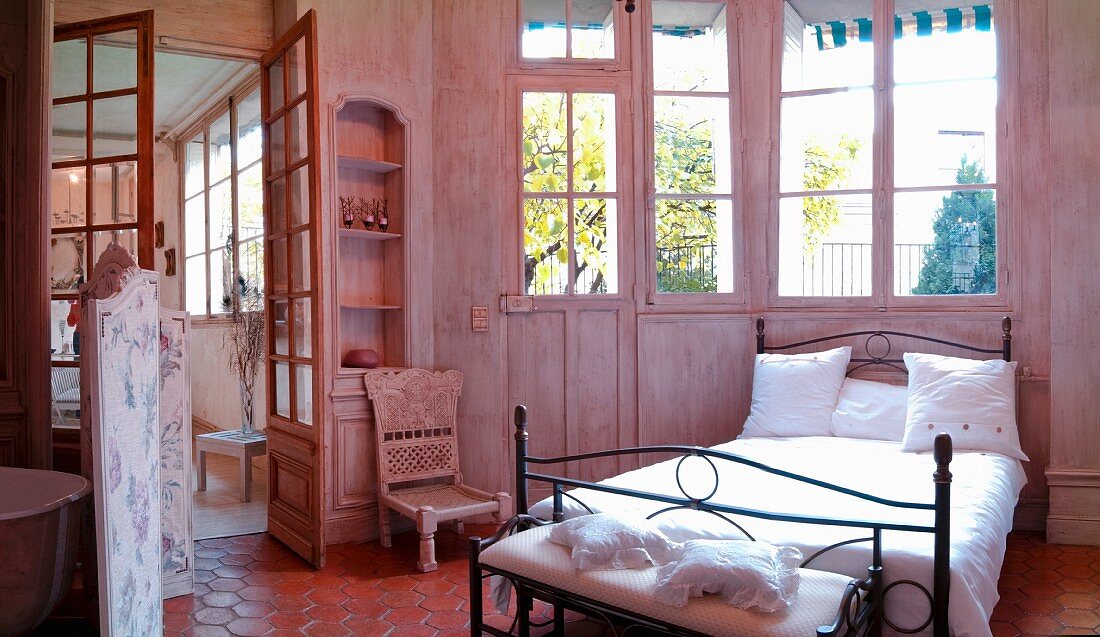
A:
{"x": 177, "y": 546}
{"x": 124, "y": 375}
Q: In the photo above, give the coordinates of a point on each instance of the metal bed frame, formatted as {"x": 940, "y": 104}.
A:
{"x": 861, "y": 609}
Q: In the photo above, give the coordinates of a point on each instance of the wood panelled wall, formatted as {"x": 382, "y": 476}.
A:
{"x": 24, "y": 234}
{"x": 238, "y": 28}
{"x": 1074, "y": 98}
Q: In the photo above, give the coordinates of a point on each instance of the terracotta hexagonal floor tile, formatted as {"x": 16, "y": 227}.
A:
{"x": 263, "y": 579}
{"x": 256, "y": 593}
{"x": 362, "y": 627}
{"x": 1079, "y": 600}
{"x": 325, "y": 581}
{"x": 1076, "y": 585}
{"x": 363, "y": 591}
{"x": 292, "y": 588}
{"x": 214, "y": 616}
{"x": 177, "y": 622}
{"x": 209, "y": 631}
{"x": 437, "y": 603}
{"x": 405, "y": 616}
{"x": 253, "y": 609}
{"x": 248, "y": 627}
{"x": 448, "y": 619}
{"x": 232, "y": 571}
{"x": 325, "y": 629}
{"x": 1010, "y": 596}
{"x": 327, "y": 596}
{"x": 1044, "y": 576}
{"x": 415, "y": 630}
{"x": 290, "y": 602}
{"x": 328, "y": 613}
{"x": 399, "y": 583}
{"x": 1037, "y": 589}
{"x": 1076, "y": 570}
{"x": 291, "y": 620}
{"x": 221, "y": 599}
{"x": 210, "y": 552}
{"x": 365, "y": 608}
{"x": 226, "y": 584}
{"x": 1040, "y": 606}
{"x": 236, "y": 559}
{"x": 1037, "y": 625}
{"x": 1078, "y": 618}
{"x": 1003, "y": 629}
{"x": 402, "y": 599}
{"x": 1006, "y": 612}
{"x": 435, "y": 587}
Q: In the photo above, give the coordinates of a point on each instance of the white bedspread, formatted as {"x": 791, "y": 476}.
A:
{"x": 984, "y": 494}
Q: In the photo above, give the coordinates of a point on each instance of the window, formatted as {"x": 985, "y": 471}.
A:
{"x": 692, "y": 151}
{"x": 570, "y": 198}
{"x": 567, "y": 29}
{"x": 223, "y": 206}
{"x": 907, "y": 208}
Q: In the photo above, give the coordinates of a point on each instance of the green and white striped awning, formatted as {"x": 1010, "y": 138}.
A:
{"x": 835, "y": 34}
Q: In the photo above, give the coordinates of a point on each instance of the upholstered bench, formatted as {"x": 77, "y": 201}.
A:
{"x": 529, "y": 557}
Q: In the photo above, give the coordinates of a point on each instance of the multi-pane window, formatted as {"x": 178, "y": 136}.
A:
{"x": 567, "y": 29}
{"x": 223, "y": 208}
{"x": 932, "y": 184}
{"x": 570, "y": 192}
{"x": 691, "y": 145}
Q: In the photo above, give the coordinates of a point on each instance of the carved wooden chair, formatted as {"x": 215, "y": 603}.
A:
{"x": 417, "y": 444}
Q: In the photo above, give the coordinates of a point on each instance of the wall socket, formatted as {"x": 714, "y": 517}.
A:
{"x": 479, "y": 318}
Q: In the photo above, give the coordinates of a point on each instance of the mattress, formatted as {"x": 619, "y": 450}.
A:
{"x": 984, "y": 493}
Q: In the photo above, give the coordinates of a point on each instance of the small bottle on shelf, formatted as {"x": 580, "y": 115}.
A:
{"x": 346, "y": 212}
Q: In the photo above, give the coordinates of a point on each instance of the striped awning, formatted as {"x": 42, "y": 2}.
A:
{"x": 835, "y": 34}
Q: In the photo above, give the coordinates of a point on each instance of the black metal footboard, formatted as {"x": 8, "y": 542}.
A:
{"x": 860, "y": 611}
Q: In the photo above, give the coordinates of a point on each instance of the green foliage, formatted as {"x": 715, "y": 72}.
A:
{"x": 824, "y": 169}
{"x": 966, "y": 237}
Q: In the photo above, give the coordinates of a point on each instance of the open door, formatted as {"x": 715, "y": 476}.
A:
{"x": 292, "y": 290}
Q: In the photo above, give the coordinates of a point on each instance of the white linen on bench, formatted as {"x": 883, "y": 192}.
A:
{"x": 984, "y": 494}
{"x": 530, "y": 554}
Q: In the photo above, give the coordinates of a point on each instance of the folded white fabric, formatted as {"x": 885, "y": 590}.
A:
{"x": 746, "y": 574}
{"x": 795, "y": 394}
{"x": 603, "y": 542}
{"x": 974, "y": 401}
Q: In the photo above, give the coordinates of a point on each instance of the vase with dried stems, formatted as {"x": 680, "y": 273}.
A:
{"x": 244, "y": 339}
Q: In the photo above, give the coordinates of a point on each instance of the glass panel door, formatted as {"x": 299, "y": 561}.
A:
{"x": 290, "y": 116}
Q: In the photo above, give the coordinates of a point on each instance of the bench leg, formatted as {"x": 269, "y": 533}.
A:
{"x": 202, "y": 471}
{"x": 246, "y": 479}
{"x": 523, "y": 610}
{"x": 384, "y": 525}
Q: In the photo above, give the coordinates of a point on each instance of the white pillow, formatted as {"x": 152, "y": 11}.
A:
{"x": 795, "y": 395}
{"x": 870, "y": 410}
{"x": 746, "y": 574}
{"x": 602, "y": 542}
{"x": 974, "y": 401}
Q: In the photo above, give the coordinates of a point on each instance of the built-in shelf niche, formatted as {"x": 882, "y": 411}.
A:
{"x": 370, "y": 275}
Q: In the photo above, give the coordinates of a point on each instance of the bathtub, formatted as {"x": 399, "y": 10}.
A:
{"x": 40, "y": 514}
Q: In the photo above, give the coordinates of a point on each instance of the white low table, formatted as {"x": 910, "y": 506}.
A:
{"x": 242, "y": 446}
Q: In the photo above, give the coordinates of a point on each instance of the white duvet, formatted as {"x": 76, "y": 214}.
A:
{"x": 983, "y": 496}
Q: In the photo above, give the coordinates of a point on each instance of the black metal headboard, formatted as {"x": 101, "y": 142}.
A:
{"x": 1005, "y": 350}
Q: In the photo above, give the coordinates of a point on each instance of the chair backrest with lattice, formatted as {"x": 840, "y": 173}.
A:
{"x": 414, "y": 414}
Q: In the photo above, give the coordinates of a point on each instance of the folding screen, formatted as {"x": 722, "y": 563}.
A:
{"x": 177, "y": 541}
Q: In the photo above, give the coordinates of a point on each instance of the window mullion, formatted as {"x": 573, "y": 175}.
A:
{"x": 234, "y": 199}
{"x": 883, "y": 172}
{"x": 206, "y": 214}
{"x": 571, "y": 205}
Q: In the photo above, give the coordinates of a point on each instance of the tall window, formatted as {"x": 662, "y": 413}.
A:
{"x": 905, "y": 208}
{"x": 691, "y": 144}
{"x": 570, "y": 193}
{"x": 223, "y": 206}
{"x": 568, "y": 29}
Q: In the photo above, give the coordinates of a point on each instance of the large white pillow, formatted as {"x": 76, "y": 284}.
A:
{"x": 870, "y": 410}
{"x": 603, "y": 542}
{"x": 974, "y": 401}
{"x": 746, "y": 574}
{"x": 795, "y": 394}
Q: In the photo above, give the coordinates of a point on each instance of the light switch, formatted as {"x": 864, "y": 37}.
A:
{"x": 479, "y": 318}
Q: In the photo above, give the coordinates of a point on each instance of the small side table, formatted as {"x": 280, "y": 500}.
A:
{"x": 242, "y": 446}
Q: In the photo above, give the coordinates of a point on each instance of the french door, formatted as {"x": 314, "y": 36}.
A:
{"x": 293, "y": 297}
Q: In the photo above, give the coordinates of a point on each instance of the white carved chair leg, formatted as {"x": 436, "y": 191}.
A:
{"x": 504, "y": 508}
{"x": 384, "y": 525}
{"x": 426, "y": 524}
